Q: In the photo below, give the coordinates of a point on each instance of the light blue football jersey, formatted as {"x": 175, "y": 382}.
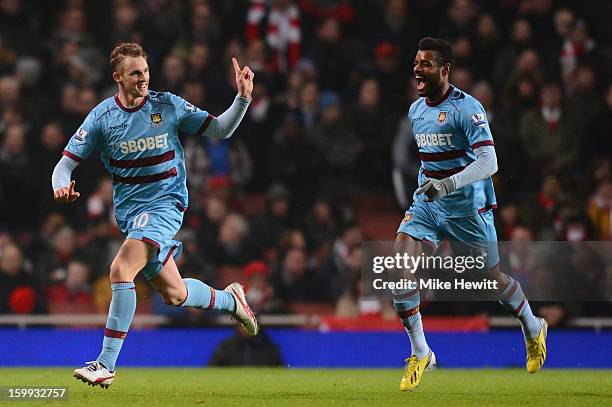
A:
{"x": 446, "y": 134}
{"x": 140, "y": 148}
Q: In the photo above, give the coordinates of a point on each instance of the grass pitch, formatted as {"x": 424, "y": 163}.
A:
{"x": 320, "y": 387}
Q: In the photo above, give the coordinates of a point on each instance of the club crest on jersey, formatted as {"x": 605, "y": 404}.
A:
{"x": 80, "y": 135}
{"x": 479, "y": 119}
{"x": 156, "y": 120}
{"x": 441, "y": 118}
{"x": 407, "y": 218}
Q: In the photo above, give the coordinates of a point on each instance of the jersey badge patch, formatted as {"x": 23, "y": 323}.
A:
{"x": 190, "y": 108}
{"x": 479, "y": 119}
{"x": 156, "y": 120}
{"x": 441, "y": 118}
{"x": 80, "y": 135}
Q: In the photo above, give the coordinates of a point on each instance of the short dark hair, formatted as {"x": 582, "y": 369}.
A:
{"x": 442, "y": 48}
{"x": 129, "y": 49}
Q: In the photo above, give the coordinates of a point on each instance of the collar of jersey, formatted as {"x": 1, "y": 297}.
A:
{"x": 130, "y": 109}
{"x": 434, "y": 104}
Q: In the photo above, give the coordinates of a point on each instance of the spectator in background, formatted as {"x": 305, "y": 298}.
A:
{"x": 321, "y": 226}
{"x": 101, "y": 242}
{"x": 278, "y": 22}
{"x": 53, "y": 263}
{"x": 293, "y": 159}
{"x": 69, "y": 114}
{"x": 10, "y": 96}
{"x": 338, "y": 145}
{"x": 519, "y": 255}
{"x": 549, "y": 134}
{"x": 521, "y": 39}
{"x": 542, "y": 212}
{"x": 462, "y": 54}
{"x": 125, "y": 27}
{"x": 268, "y": 227}
{"x": 52, "y": 142}
{"x": 584, "y": 101}
{"x": 294, "y": 281}
{"x": 193, "y": 262}
{"x": 330, "y": 53}
{"x": 43, "y": 239}
{"x": 600, "y": 210}
{"x": 460, "y": 14}
{"x": 233, "y": 244}
{"x": 308, "y": 109}
{"x": 7, "y": 57}
{"x": 208, "y": 222}
{"x": 173, "y": 73}
{"x": 259, "y": 130}
{"x": 399, "y": 24}
{"x": 227, "y": 159}
{"x": 369, "y": 120}
{"x": 18, "y": 179}
{"x": 204, "y": 24}
{"x": 487, "y": 42}
{"x": 195, "y": 91}
{"x": 292, "y": 239}
{"x": 349, "y": 286}
{"x": 75, "y": 290}
{"x": 391, "y": 77}
{"x": 198, "y": 64}
{"x": 461, "y": 78}
{"x": 338, "y": 263}
{"x": 258, "y": 287}
{"x": 244, "y": 350}
{"x": 599, "y": 131}
{"x": 210, "y": 160}
{"x": 19, "y": 290}
{"x": 406, "y": 163}
{"x": 502, "y": 127}
{"x": 578, "y": 47}
{"x": 508, "y": 220}
{"x": 19, "y": 26}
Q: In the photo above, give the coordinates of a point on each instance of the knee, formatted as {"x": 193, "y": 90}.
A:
{"x": 172, "y": 297}
{"x": 120, "y": 270}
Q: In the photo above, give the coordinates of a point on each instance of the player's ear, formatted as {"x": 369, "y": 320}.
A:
{"x": 446, "y": 68}
{"x": 116, "y": 76}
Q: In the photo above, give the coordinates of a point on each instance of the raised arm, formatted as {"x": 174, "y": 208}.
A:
{"x": 223, "y": 127}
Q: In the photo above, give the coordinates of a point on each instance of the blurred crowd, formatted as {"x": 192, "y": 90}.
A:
{"x": 276, "y": 206}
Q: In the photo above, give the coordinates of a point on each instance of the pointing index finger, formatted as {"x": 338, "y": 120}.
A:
{"x": 236, "y": 66}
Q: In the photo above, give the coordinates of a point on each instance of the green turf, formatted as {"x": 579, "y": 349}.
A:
{"x": 248, "y": 387}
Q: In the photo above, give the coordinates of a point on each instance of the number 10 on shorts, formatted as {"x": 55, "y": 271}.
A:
{"x": 141, "y": 220}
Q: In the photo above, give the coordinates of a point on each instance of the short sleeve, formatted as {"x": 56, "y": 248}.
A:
{"x": 475, "y": 125}
{"x": 84, "y": 140}
{"x": 190, "y": 118}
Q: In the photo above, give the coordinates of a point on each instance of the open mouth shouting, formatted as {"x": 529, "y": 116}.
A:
{"x": 421, "y": 84}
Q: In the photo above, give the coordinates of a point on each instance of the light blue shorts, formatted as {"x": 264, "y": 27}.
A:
{"x": 156, "y": 224}
{"x": 476, "y": 232}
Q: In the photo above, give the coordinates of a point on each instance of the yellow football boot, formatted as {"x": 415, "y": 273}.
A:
{"x": 536, "y": 349}
{"x": 415, "y": 369}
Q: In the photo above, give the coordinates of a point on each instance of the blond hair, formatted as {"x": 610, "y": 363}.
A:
{"x": 129, "y": 49}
